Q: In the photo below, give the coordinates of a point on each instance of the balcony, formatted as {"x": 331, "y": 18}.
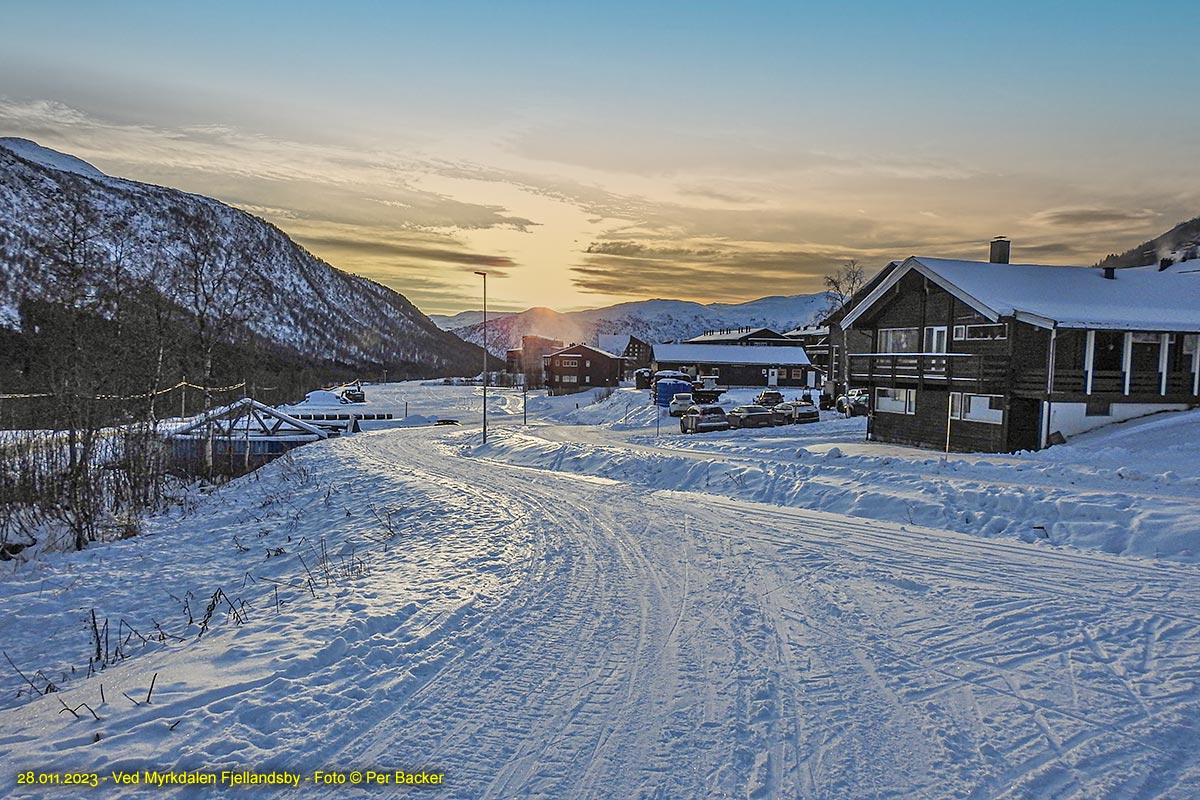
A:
{"x": 959, "y": 370}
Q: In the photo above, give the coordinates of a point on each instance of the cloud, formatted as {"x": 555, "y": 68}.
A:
{"x": 1079, "y": 217}
{"x": 636, "y": 250}
{"x": 400, "y": 250}
{"x": 732, "y": 273}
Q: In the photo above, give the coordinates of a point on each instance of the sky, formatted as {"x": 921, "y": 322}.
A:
{"x": 584, "y": 154}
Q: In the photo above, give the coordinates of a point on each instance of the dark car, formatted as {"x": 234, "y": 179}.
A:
{"x": 854, "y": 403}
{"x": 750, "y": 417}
{"x": 699, "y": 419}
{"x": 768, "y": 398}
{"x": 794, "y": 411}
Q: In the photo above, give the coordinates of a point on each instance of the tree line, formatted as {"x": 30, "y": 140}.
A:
{"x": 114, "y": 319}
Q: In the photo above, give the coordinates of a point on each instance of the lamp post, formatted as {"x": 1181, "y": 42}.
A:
{"x": 485, "y": 354}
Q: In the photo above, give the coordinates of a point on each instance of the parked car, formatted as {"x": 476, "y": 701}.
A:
{"x": 750, "y": 417}
{"x": 768, "y": 398}
{"x": 699, "y": 419}
{"x": 680, "y": 403}
{"x": 854, "y": 403}
{"x": 795, "y": 411}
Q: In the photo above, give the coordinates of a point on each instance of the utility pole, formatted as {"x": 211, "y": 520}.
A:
{"x": 485, "y": 354}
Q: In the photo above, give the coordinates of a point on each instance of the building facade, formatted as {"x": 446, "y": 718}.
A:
{"x": 637, "y": 354}
{"x": 741, "y": 365}
{"x": 998, "y": 357}
{"x": 528, "y": 362}
{"x": 579, "y": 367}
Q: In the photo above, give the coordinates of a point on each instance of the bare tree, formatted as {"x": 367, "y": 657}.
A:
{"x": 841, "y": 286}
{"x": 219, "y": 277}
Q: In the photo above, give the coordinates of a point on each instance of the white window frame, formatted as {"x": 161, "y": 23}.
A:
{"x": 931, "y": 336}
{"x": 956, "y": 405}
{"x": 904, "y": 403}
{"x": 962, "y": 333}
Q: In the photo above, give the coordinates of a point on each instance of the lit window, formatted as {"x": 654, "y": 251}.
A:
{"x": 896, "y": 401}
{"x": 898, "y": 340}
{"x": 983, "y": 408}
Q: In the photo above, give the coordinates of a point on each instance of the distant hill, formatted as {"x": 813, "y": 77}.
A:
{"x": 1181, "y": 243}
{"x": 649, "y": 320}
{"x": 73, "y": 236}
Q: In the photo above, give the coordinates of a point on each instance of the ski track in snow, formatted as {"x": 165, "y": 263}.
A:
{"x": 547, "y": 635}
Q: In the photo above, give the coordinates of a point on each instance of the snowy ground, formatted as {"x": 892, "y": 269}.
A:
{"x": 594, "y": 610}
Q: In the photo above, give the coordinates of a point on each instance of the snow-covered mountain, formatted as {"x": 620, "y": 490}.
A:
{"x": 1181, "y": 243}
{"x": 66, "y": 228}
{"x": 649, "y": 320}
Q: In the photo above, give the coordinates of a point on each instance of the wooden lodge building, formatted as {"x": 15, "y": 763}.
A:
{"x": 527, "y": 360}
{"x": 579, "y": 367}
{"x": 636, "y": 353}
{"x": 999, "y": 357}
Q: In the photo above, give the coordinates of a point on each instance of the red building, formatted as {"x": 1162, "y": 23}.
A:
{"x": 579, "y": 367}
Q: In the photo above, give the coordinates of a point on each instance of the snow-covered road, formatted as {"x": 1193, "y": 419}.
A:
{"x": 532, "y": 633}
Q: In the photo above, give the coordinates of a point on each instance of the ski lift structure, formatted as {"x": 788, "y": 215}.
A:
{"x": 239, "y": 438}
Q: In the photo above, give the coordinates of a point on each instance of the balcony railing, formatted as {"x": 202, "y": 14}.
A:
{"x": 975, "y": 372}
{"x": 954, "y": 368}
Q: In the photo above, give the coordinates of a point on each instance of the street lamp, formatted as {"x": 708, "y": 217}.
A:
{"x": 485, "y": 354}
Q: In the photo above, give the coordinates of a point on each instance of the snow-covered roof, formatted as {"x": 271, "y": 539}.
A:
{"x": 566, "y": 351}
{"x": 1136, "y": 299}
{"x": 738, "y": 334}
{"x": 251, "y": 417}
{"x": 812, "y": 330}
{"x": 614, "y": 342}
{"x": 730, "y": 354}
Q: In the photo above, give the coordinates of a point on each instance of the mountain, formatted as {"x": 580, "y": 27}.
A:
{"x": 1181, "y": 243}
{"x": 649, "y": 320}
{"x": 463, "y": 318}
{"x": 73, "y": 236}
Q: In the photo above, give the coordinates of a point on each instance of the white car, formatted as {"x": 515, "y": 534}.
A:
{"x": 680, "y": 403}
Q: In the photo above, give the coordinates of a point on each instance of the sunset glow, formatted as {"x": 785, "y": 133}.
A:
{"x": 596, "y": 154}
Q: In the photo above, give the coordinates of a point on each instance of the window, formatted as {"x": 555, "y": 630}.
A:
{"x": 935, "y": 339}
{"x": 898, "y": 340}
{"x": 1098, "y": 409}
{"x": 983, "y": 408}
{"x": 1145, "y": 338}
{"x": 568, "y": 378}
{"x": 977, "y": 332}
{"x": 1189, "y": 343}
{"x": 587, "y": 363}
{"x": 568, "y": 362}
{"x": 896, "y": 401}
{"x": 797, "y": 374}
{"x": 956, "y": 405}
{"x": 1108, "y": 353}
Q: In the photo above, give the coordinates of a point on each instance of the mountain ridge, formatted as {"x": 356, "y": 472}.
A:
{"x": 146, "y": 235}
{"x": 657, "y": 320}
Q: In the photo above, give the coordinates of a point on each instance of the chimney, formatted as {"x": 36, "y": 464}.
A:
{"x": 1165, "y": 262}
{"x": 999, "y": 254}
{"x": 1110, "y": 273}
